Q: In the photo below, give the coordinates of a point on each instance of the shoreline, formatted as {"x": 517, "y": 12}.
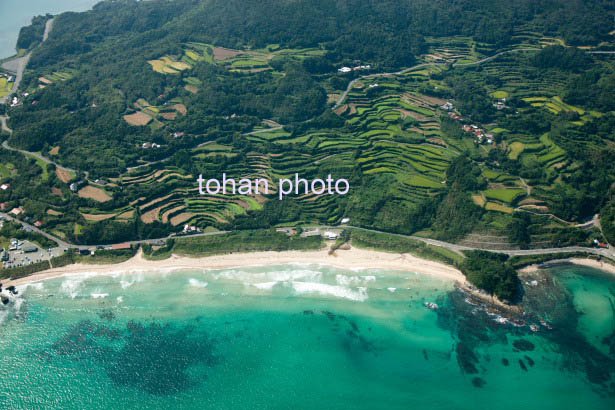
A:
{"x": 591, "y": 263}
{"x": 350, "y": 259}
{"x": 354, "y": 258}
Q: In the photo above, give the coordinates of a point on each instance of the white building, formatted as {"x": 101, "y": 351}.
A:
{"x": 344, "y": 69}
{"x": 331, "y": 236}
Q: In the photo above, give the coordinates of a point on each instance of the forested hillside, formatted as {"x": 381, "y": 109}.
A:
{"x": 139, "y": 98}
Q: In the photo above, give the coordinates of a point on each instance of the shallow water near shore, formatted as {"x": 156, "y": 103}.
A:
{"x": 295, "y": 337}
{"x": 14, "y": 14}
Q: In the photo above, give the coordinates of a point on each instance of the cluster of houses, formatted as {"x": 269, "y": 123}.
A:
{"x": 349, "y": 69}
{"x": 18, "y": 211}
{"x": 16, "y": 101}
{"x": 450, "y": 108}
{"x": 147, "y": 145}
{"x": 479, "y": 133}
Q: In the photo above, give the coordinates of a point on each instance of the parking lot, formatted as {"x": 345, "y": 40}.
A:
{"x": 20, "y": 257}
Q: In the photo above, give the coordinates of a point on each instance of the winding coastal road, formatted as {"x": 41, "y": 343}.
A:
{"x": 607, "y": 253}
{"x": 18, "y": 65}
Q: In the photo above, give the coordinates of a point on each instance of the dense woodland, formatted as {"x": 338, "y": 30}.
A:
{"x": 30, "y": 36}
{"x": 106, "y": 52}
{"x": 491, "y": 272}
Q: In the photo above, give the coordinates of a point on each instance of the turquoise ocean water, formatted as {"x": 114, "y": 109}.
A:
{"x": 300, "y": 337}
{"x": 15, "y": 14}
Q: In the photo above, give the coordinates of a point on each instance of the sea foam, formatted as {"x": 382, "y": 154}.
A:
{"x": 359, "y": 295}
{"x": 71, "y": 287}
{"x": 197, "y": 283}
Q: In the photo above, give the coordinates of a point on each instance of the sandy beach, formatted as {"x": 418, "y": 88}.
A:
{"x": 343, "y": 259}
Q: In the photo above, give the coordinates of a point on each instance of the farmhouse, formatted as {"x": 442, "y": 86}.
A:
{"x": 4, "y": 187}
{"x": 17, "y": 211}
{"x": 500, "y": 105}
{"x": 344, "y": 69}
{"x": 189, "y": 229}
{"x": 76, "y": 185}
{"x": 447, "y": 107}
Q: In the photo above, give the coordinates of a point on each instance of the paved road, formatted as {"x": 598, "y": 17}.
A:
{"x": 6, "y": 145}
{"x": 48, "y": 27}
{"x": 264, "y": 130}
{"x": 61, "y": 243}
{"x": 19, "y": 65}
{"x": 16, "y": 66}
{"x": 516, "y": 50}
{"x": 3, "y": 119}
{"x": 609, "y": 253}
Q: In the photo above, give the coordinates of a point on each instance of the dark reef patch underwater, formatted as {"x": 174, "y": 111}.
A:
{"x": 475, "y": 326}
{"x": 151, "y": 357}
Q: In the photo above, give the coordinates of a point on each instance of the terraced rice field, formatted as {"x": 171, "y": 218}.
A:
{"x": 138, "y": 118}
{"x": 392, "y": 134}
{"x": 94, "y": 193}
{"x": 64, "y": 175}
{"x": 5, "y": 87}
{"x": 504, "y": 195}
